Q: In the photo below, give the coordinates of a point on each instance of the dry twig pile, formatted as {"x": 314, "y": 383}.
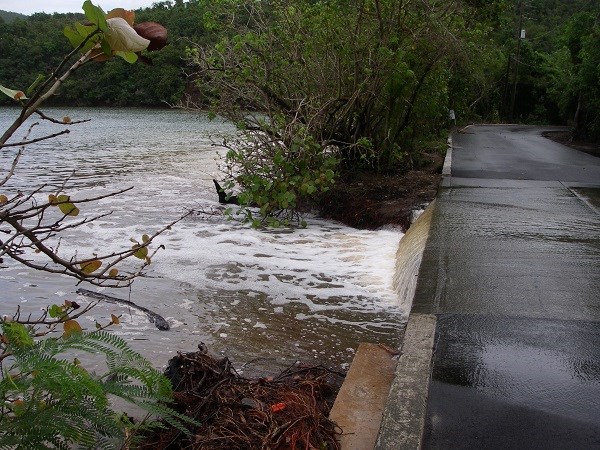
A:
{"x": 288, "y": 411}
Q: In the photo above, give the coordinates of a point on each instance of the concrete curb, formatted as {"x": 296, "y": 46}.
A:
{"x": 359, "y": 405}
{"x": 404, "y": 416}
{"x": 447, "y": 169}
{"x": 402, "y": 421}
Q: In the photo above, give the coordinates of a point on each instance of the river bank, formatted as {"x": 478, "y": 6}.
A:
{"x": 370, "y": 200}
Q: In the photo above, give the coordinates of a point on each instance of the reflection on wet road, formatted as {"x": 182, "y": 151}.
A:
{"x": 515, "y": 381}
{"x": 512, "y": 271}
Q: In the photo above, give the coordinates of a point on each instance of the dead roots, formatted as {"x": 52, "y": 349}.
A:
{"x": 288, "y": 411}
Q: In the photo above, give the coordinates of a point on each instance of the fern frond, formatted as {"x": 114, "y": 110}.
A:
{"x": 172, "y": 417}
{"x": 65, "y": 405}
{"x": 16, "y": 335}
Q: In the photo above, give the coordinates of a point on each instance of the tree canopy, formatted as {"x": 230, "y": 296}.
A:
{"x": 7, "y": 16}
{"x": 459, "y": 55}
{"x": 557, "y": 75}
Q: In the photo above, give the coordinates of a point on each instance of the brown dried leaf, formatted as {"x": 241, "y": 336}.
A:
{"x": 129, "y": 16}
{"x": 91, "y": 266}
{"x": 154, "y": 32}
{"x": 71, "y": 327}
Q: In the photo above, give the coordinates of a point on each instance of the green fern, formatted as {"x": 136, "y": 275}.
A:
{"x": 48, "y": 401}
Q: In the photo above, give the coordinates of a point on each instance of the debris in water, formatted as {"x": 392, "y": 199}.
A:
{"x": 288, "y": 411}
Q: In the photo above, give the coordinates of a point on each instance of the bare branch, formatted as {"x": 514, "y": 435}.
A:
{"x": 60, "y": 122}
{"x": 50, "y": 136}
{"x": 38, "y": 235}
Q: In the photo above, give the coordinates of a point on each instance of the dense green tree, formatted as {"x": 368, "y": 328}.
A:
{"x": 358, "y": 80}
{"x": 555, "y": 75}
{"x": 7, "y": 16}
{"x": 363, "y": 75}
{"x": 406, "y": 64}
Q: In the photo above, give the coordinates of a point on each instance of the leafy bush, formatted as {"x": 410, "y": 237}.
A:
{"x": 278, "y": 173}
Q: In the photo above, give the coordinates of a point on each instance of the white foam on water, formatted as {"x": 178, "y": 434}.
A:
{"x": 323, "y": 261}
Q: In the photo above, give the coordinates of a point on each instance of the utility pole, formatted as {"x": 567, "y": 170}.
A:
{"x": 520, "y": 36}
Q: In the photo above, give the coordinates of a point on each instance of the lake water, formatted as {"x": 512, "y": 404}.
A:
{"x": 263, "y": 298}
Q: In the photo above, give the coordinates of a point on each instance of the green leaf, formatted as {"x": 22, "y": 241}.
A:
{"x": 55, "y": 311}
{"x": 105, "y": 46}
{"x": 95, "y": 15}
{"x": 35, "y": 84}
{"x": 69, "y": 209}
{"x": 141, "y": 252}
{"x": 72, "y": 35}
{"x": 130, "y": 57}
{"x": 84, "y": 31}
{"x": 15, "y": 95}
{"x": 78, "y": 33}
{"x": 65, "y": 206}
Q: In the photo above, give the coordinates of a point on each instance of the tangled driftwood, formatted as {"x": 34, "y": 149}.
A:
{"x": 288, "y": 411}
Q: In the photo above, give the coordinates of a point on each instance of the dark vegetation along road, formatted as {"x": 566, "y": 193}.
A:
{"x": 512, "y": 272}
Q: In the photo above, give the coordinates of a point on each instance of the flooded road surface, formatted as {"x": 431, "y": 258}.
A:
{"x": 524, "y": 248}
{"x": 512, "y": 271}
{"x": 263, "y": 298}
{"x": 517, "y": 383}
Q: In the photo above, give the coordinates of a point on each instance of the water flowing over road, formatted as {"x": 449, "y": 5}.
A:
{"x": 511, "y": 272}
{"x": 270, "y": 297}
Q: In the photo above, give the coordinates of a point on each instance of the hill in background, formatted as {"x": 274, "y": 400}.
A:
{"x": 8, "y": 16}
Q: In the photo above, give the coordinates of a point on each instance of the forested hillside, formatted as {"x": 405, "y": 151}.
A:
{"x": 464, "y": 55}
{"x": 37, "y": 44}
{"x": 7, "y": 16}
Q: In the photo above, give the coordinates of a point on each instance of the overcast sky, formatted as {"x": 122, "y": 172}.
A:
{"x": 50, "y": 6}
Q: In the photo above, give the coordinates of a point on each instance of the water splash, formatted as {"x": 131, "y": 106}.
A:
{"x": 409, "y": 257}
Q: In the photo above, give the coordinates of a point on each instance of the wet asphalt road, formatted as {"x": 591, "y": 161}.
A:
{"x": 512, "y": 270}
